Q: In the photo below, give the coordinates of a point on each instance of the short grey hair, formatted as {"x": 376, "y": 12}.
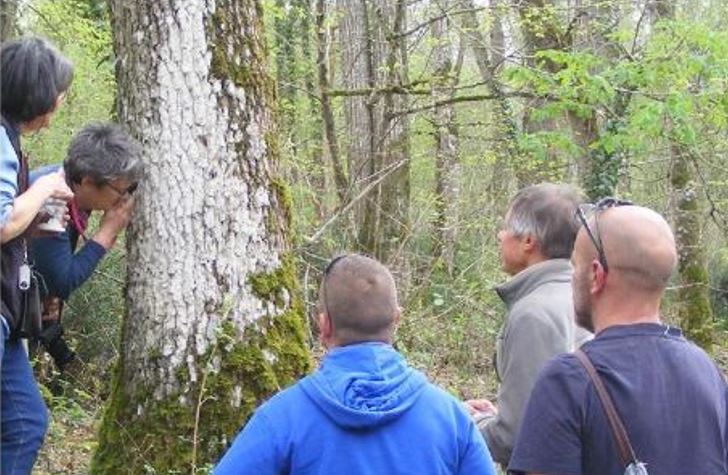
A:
{"x": 546, "y": 212}
{"x": 103, "y": 152}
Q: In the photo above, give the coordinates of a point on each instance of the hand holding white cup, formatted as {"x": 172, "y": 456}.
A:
{"x": 53, "y": 216}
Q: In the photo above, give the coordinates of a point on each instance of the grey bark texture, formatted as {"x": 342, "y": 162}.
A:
{"x": 213, "y": 325}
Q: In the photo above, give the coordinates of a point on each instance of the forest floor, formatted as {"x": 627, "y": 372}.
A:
{"x": 71, "y": 437}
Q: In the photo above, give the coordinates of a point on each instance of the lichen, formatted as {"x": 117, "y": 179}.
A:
{"x": 248, "y": 48}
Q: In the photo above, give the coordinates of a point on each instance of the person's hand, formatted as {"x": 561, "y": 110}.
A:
{"x": 481, "y": 407}
{"x": 54, "y": 185}
{"x": 117, "y": 218}
{"x": 114, "y": 220}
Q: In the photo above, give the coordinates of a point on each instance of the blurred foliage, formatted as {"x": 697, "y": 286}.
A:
{"x": 85, "y": 38}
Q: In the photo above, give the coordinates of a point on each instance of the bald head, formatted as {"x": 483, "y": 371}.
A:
{"x": 639, "y": 246}
{"x": 359, "y": 295}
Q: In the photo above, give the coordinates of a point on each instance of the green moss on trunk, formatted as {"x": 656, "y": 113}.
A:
{"x": 694, "y": 311}
{"x": 269, "y": 356}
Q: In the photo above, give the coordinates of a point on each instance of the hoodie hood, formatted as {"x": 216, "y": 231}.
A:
{"x": 364, "y": 385}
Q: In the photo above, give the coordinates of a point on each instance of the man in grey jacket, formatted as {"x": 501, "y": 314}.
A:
{"x": 535, "y": 243}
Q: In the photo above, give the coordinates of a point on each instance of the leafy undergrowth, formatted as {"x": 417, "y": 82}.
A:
{"x": 71, "y": 437}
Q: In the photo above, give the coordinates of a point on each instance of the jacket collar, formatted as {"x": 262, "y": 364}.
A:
{"x": 526, "y": 281}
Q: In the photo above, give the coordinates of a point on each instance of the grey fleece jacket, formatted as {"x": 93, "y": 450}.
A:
{"x": 539, "y": 325}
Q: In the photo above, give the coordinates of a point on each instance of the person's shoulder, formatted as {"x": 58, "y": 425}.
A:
{"x": 698, "y": 357}
{"x": 41, "y": 171}
{"x": 565, "y": 367}
{"x": 6, "y": 146}
{"x": 437, "y": 399}
{"x": 281, "y": 404}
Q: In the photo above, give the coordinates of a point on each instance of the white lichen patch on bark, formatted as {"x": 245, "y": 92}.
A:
{"x": 199, "y": 229}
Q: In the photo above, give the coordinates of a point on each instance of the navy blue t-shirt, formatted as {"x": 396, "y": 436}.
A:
{"x": 670, "y": 395}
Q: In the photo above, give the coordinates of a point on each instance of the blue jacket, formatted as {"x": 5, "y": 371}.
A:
{"x": 364, "y": 411}
{"x": 53, "y": 256}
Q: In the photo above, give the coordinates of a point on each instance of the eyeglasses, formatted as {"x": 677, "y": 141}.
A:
{"x": 129, "y": 191}
{"x": 587, "y": 211}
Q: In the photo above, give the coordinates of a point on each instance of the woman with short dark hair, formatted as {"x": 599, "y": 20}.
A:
{"x": 34, "y": 78}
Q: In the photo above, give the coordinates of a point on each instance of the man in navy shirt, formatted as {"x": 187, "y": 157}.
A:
{"x": 670, "y": 395}
{"x": 102, "y": 168}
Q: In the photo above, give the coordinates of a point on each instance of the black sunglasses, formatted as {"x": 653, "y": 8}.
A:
{"x": 586, "y": 211}
{"x": 129, "y": 191}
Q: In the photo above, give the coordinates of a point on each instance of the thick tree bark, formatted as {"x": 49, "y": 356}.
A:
{"x": 214, "y": 324}
{"x": 446, "y": 138}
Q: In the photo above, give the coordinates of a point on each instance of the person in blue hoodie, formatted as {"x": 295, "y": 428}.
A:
{"x": 364, "y": 410}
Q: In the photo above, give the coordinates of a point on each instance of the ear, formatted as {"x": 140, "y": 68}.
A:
{"x": 396, "y": 320}
{"x": 598, "y": 277}
{"x": 529, "y": 244}
{"x": 87, "y": 181}
{"x": 326, "y": 328}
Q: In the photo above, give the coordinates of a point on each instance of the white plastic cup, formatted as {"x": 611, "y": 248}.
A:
{"x": 54, "y": 210}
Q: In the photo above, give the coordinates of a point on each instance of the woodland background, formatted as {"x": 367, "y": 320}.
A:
{"x": 404, "y": 128}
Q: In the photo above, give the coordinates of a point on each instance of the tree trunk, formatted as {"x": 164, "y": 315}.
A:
{"x": 389, "y": 204}
{"x": 8, "y": 19}
{"x": 694, "y": 310}
{"x": 505, "y": 133}
{"x": 357, "y": 73}
{"x": 374, "y": 54}
{"x": 598, "y": 168}
{"x": 327, "y": 111}
{"x": 286, "y": 28}
{"x": 446, "y": 137}
{"x": 540, "y": 30}
{"x": 214, "y": 323}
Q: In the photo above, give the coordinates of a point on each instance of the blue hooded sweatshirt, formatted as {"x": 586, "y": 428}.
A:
{"x": 364, "y": 411}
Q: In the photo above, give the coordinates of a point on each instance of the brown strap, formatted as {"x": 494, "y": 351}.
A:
{"x": 626, "y": 453}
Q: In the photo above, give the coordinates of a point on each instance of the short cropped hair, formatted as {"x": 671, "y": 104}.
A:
{"x": 546, "y": 212}
{"x": 103, "y": 152}
{"x": 359, "y": 295}
{"x": 34, "y": 73}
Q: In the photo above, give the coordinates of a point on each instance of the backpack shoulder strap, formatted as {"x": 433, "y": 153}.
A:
{"x": 626, "y": 452}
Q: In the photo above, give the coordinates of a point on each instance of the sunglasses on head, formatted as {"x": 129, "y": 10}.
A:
{"x": 587, "y": 211}
{"x": 327, "y": 270}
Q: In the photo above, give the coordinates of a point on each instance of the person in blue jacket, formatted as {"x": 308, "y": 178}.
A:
{"x": 364, "y": 411}
{"x": 103, "y": 167}
{"x": 34, "y": 79}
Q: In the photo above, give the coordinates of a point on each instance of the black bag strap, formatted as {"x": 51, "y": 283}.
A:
{"x": 626, "y": 452}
